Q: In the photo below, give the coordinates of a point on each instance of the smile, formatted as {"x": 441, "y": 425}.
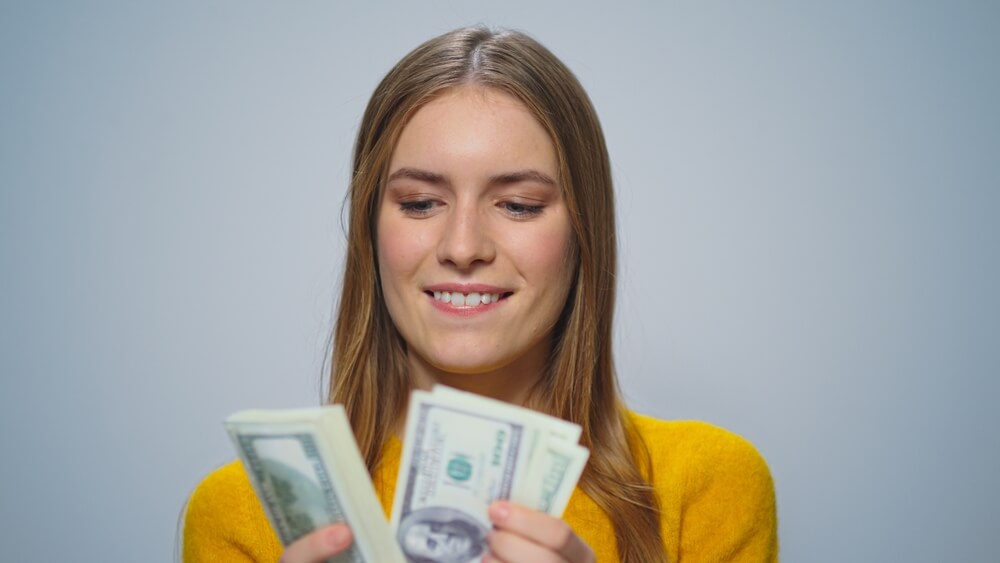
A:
{"x": 466, "y": 300}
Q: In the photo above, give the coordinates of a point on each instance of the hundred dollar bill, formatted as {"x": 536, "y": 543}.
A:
{"x": 550, "y": 425}
{"x": 463, "y": 451}
{"x": 554, "y": 462}
{"x": 553, "y": 475}
{"x": 307, "y": 471}
{"x": 456, "y": 461}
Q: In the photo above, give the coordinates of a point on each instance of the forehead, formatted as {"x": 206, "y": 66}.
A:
{"x": 473, "y": 126}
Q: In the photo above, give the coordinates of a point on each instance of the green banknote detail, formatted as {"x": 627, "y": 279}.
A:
{"x": 299, "y": 502}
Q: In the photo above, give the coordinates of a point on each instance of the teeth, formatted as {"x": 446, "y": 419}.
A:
{"x": 461, "y": 300}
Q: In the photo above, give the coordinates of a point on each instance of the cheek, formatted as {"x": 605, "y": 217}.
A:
{"x": 548, "y": 256}
{"x": 552, "y": 267}
{"x": 397, "y": 253}
{"x": 394, "y": 271}
{"x": 403, "y": 259}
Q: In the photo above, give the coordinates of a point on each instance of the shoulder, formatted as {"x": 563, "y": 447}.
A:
{"x": 715, "y": 490}
{"x": 223, "y": 517}
{"x": 700, "y": 448}
{"x": 221, "y": 492}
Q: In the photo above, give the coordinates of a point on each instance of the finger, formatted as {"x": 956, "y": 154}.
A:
{"x": 491, "y": 558}
{"x": 508, "y": 546}
{"x": 542, "y": 529}
{"x": 319, "y": 545}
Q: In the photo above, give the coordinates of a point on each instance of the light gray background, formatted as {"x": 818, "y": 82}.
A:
{"x": 807, "y": 198}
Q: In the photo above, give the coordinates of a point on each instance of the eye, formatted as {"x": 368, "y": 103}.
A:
{"x": 417, "y": 207}
{"x": 521, "y": 210}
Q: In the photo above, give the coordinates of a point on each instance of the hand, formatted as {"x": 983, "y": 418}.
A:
{"x": 522, "y": 534}
{"x": 319, "y": 545}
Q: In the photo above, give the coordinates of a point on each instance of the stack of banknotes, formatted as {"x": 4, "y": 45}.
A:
{"x": 461, "y": 452}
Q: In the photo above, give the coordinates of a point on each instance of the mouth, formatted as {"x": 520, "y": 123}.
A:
{"x": 471, "y": 300}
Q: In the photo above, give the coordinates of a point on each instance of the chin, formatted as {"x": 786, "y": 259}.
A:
{"x": 468, "y": 363}
{"x": 470, "y": 366}
{"x": 463, "y": 356}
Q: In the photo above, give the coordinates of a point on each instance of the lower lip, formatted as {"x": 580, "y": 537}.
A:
{"x": 463, "y": 311}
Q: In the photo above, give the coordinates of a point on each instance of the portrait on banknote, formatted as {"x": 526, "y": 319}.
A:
{"x": 441, "y": 533}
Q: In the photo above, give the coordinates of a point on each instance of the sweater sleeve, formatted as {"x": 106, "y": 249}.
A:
{"x": 728, "y": 508}
{"x": 225, "y": 522}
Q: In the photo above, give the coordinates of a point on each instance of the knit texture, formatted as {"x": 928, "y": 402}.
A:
{"x": 716, "y": 500}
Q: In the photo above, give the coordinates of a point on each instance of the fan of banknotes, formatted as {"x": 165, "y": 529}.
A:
{"x": 460, "y": 453}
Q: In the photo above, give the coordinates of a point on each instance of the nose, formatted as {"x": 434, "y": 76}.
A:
{"x": 465, "y": 241}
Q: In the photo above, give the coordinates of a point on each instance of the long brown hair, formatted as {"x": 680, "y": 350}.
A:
{"x": 369, "y": 374}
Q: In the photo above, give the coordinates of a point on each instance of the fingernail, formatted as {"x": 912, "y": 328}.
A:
{"x": 499, "y": 511}
{"x": 339, "y": 537}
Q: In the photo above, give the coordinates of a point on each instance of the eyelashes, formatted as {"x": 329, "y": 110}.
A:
{"x": 419, "y": 208}
{"x": 426, "y": 207}
{"x": 522, "y": 209}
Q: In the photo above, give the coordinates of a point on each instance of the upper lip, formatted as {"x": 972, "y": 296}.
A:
{"x": 466, "y": 288}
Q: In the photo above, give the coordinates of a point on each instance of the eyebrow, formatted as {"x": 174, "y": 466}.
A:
{"x": 419, "y": 175}
{"x": 522, "y": 176}
{"x": 505, "y": 178}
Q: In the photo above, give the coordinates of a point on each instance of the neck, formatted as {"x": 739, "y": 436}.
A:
{"x": 485, "y": 384}
{"x": 511, "y": 383}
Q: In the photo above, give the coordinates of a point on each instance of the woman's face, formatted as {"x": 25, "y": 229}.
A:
{"x": 474, "y": 240}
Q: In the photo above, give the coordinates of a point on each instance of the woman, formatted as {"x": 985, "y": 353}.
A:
{"x": 481, "y": 255}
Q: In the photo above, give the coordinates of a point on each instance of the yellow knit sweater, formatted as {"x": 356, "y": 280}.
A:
{"x": 716, "y": 501}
